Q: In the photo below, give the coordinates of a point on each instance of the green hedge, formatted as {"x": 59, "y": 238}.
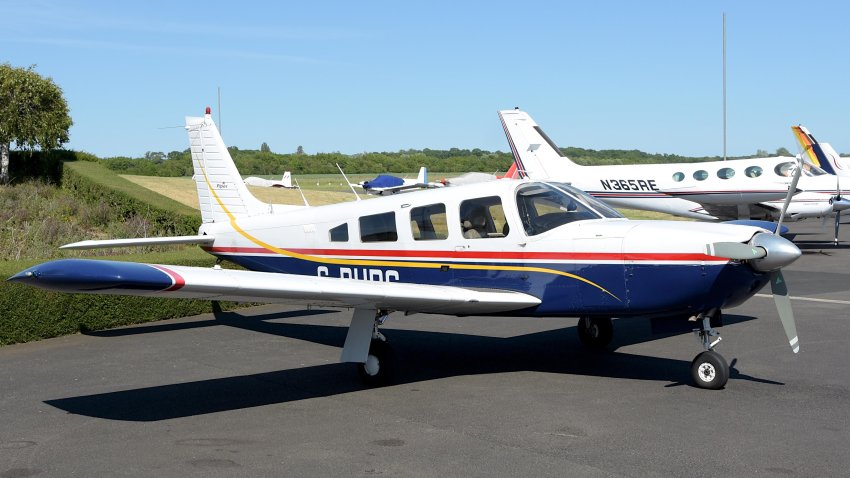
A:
{"x": 95, "y": 183}
{"x": 28, "y": 313}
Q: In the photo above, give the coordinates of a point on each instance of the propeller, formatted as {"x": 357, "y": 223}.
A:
{"x": 777, "y": 281}
{"x": 838, "y": 212}
{"x": 770, "y": 253}
{"x": 791, "y": 189}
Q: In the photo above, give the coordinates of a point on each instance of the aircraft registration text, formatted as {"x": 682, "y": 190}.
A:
{"x": 628, "y": 184}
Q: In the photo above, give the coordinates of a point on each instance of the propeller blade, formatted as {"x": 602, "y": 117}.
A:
{"x": 734, "y": 250}
{"x": 837, "y": 225}
{"x": 792, "y": 188}
{"x": 783, "y": 306}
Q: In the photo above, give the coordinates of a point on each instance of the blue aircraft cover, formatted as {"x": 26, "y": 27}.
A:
{"x": 383, "y": 181}
{"x": 769, "y": 225}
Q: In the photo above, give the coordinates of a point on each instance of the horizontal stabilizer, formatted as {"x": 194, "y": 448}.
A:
{"x": 138, "y": 242}
{"x": 149, "y": 280}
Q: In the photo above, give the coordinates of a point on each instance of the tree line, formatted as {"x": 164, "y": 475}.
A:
{"x": 264, "y": 162}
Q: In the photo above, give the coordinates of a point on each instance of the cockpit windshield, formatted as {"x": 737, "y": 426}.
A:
{"x": 595, "y": 204}
{"x": 543, "y": 206}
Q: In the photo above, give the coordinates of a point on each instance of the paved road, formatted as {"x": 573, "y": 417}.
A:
{"x": 261, "y": 394}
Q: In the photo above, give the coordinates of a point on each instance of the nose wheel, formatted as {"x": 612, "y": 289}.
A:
{"x": 709, "y": 369}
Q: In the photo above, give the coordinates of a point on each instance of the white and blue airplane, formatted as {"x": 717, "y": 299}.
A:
{"x": 385, "y": 184}
{"x": 508, "y": 247}
{"x": 739, "y": 189}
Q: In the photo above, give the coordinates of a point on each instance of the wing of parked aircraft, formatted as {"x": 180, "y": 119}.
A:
{"x": 129, "y": 278}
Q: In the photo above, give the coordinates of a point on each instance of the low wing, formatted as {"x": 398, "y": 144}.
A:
{"x": 145, "y": 241}
{"x": 731, "y": 194}
{"x": 129, "y": 278}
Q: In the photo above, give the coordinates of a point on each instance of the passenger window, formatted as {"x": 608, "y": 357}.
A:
{"x": 378, "y": 228}
{"x": 678, "y": 177}
{"x": 339, "y": 233}
{"x": 483, "y": 218}
{"x": 753, "y": 172}
{"x": 785, "y": 169}
{"x": 701, "y": 175}
{"x": 726, "y": 173}
{"x": 429, "y": 222}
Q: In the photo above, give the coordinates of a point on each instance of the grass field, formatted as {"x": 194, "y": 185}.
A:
{"x": 319, "y": 189}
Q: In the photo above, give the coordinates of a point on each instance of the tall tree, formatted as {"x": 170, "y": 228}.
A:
{"x": 300, "y": 150}
{"x": 33, "y": 113}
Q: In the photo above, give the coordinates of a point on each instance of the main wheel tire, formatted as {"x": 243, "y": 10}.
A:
{"x": 375, "y": 371}
{"x": 595, "y": 332}
{"x": 710, "y": 370}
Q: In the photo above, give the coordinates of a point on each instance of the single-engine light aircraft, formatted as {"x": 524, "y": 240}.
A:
{"x": 504, "y": 247}
{"x": 385, "y": 184}
{"x": 284, "y": 182}
{"x": 739, "y": 189}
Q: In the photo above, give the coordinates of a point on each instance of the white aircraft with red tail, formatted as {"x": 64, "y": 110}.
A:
{"x": 507, "y": 247}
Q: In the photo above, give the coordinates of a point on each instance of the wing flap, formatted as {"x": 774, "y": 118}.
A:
{"x": 128, "y": 278}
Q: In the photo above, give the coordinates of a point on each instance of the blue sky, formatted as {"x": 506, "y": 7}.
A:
{"x": 384, "y": 76}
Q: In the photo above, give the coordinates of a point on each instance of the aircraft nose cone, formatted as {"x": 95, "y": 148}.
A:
{"x": 780, "y": 252}
{"x": 840, "y": 204}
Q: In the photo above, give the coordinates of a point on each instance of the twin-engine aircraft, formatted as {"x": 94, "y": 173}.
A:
{"x": 504, "y": 247}
{"x": 713, "y": 190}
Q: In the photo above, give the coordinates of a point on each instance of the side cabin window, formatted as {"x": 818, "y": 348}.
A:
{"x": 482, "y": 218}
{"x": 378, "y": 228}
{"x": 339, "y": 233}
{"x": 726, "y": 173}
{"x": 542, "y": 208}
{"x": 753, "y": 172}
{"x": 428, "y": 223}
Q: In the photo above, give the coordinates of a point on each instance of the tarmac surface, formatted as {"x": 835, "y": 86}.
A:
{"x": 260, "y": 393}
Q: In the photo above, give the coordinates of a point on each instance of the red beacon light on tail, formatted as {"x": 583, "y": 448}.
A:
{"x": 209, "y": 110}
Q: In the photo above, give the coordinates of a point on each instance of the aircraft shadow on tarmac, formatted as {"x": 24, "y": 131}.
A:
{"x": 416, "y": 356}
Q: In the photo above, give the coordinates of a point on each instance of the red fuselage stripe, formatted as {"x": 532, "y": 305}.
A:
{"x": 566, "y": 256}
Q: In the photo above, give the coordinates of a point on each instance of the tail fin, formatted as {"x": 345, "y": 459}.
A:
{"x": 422, "y": 178}
{"x": 286, "y": 180}
{"x": 821, "y": 155}
{"x": 221, "y": 192}
{"x": 535, "y": 154}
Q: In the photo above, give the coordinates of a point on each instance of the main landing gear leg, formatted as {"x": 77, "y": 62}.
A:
{"x": 709, "y": 369}
{"x": 367, "y": 347}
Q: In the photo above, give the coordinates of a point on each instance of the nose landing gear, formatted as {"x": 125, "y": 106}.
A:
{"x": 709, "y": 369}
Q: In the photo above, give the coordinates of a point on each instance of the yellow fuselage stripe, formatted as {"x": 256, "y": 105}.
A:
{"x": 359, "y": 262}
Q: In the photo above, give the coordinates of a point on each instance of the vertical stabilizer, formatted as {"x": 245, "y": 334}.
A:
{"x": 422, "y": 178}
{"x": 535, "y": 154}
{"x": 221, "y": 192}
{"x": 821, "y": 155}
{"x": 286, "y": 180}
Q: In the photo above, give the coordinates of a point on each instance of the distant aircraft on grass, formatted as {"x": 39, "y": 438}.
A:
{"x": 521, "y": 248}
{"x": 285, "y": 182}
